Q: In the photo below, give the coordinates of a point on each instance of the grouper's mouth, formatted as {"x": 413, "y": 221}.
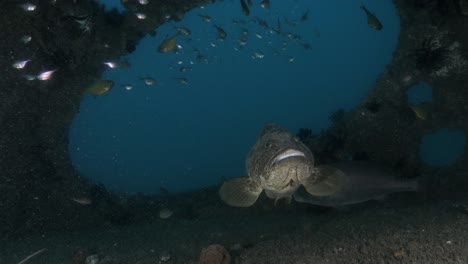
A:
{"x": 289, "y": 153}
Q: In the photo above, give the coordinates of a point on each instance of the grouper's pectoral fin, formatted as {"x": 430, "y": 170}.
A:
{"x": 327, "y": 181}
{"x": 240, "y": 192}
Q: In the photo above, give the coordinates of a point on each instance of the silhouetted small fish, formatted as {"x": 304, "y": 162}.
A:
{"x": 100, "y": 87}
{"x": 182, "y": 80}
{"x": 372, "y": 20}
{"x": 221, "y": 33}
{"x": 304, "y": 17}
{"x": 169, "y": 44}
{"x": 245, "y": 8}
{"x": 205, "y": 18}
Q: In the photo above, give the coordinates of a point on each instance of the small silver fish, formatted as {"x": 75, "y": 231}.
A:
{"x": 82, "y": 201}
{"x": 258, "y": 55}
{"x": 183, "y": 80}
{"x": 364, "y": 181}
{"x": 140, "y": 16}
{"x": 20, "y": 64}
{"x": 148, "y": 81}
{"x": 111, "y": 64}
{"x": 46, "y": 75}
{"x": 29, "y": 77}
{"x": 143, "y": 2}
{"x": 184, "y": 31}
{"x": 205, "y": 18}
{"x": 26, "y": 39}
{"x": 127, "y": 87}
{"x": 28, "y": 7}
{"x": 265, "y": 4}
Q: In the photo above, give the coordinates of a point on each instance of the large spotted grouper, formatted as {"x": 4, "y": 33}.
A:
{"x": 279, "y": 163}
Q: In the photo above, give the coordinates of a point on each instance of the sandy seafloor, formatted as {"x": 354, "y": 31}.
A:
{"x": 403, "y": 229}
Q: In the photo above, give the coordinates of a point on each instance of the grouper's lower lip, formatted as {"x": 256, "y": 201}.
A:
{"x": 289, "y": 153}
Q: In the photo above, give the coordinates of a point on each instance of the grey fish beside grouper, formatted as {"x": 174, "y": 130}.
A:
{"x": 279, "y": 163}
{"x": 365, "y": 181}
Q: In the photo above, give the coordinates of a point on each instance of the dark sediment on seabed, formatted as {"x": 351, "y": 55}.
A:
{"x": 37, "y": 172}
{"x": 404, "y": 229}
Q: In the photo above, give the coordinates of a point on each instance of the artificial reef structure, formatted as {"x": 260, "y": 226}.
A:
{"x": 75, "y": 37}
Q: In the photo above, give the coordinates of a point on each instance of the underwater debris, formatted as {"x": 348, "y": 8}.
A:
{"x": 92, "y": 259}
{"x": 32, "y": 256}
{"x": 215, "y": 254}
{"x": 165, "y": 213}
{"x": 82, "y": 200}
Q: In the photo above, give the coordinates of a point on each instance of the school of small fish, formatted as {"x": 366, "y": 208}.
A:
{"x": 283, "y": 27}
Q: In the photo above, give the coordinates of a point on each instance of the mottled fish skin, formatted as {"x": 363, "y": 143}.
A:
{"x": 365, "y": 181}
{"x": 278, "y": 163}
{"x": 276, "y": 178}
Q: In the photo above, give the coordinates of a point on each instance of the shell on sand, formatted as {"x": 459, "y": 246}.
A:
{"x": 215, "y": 254}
